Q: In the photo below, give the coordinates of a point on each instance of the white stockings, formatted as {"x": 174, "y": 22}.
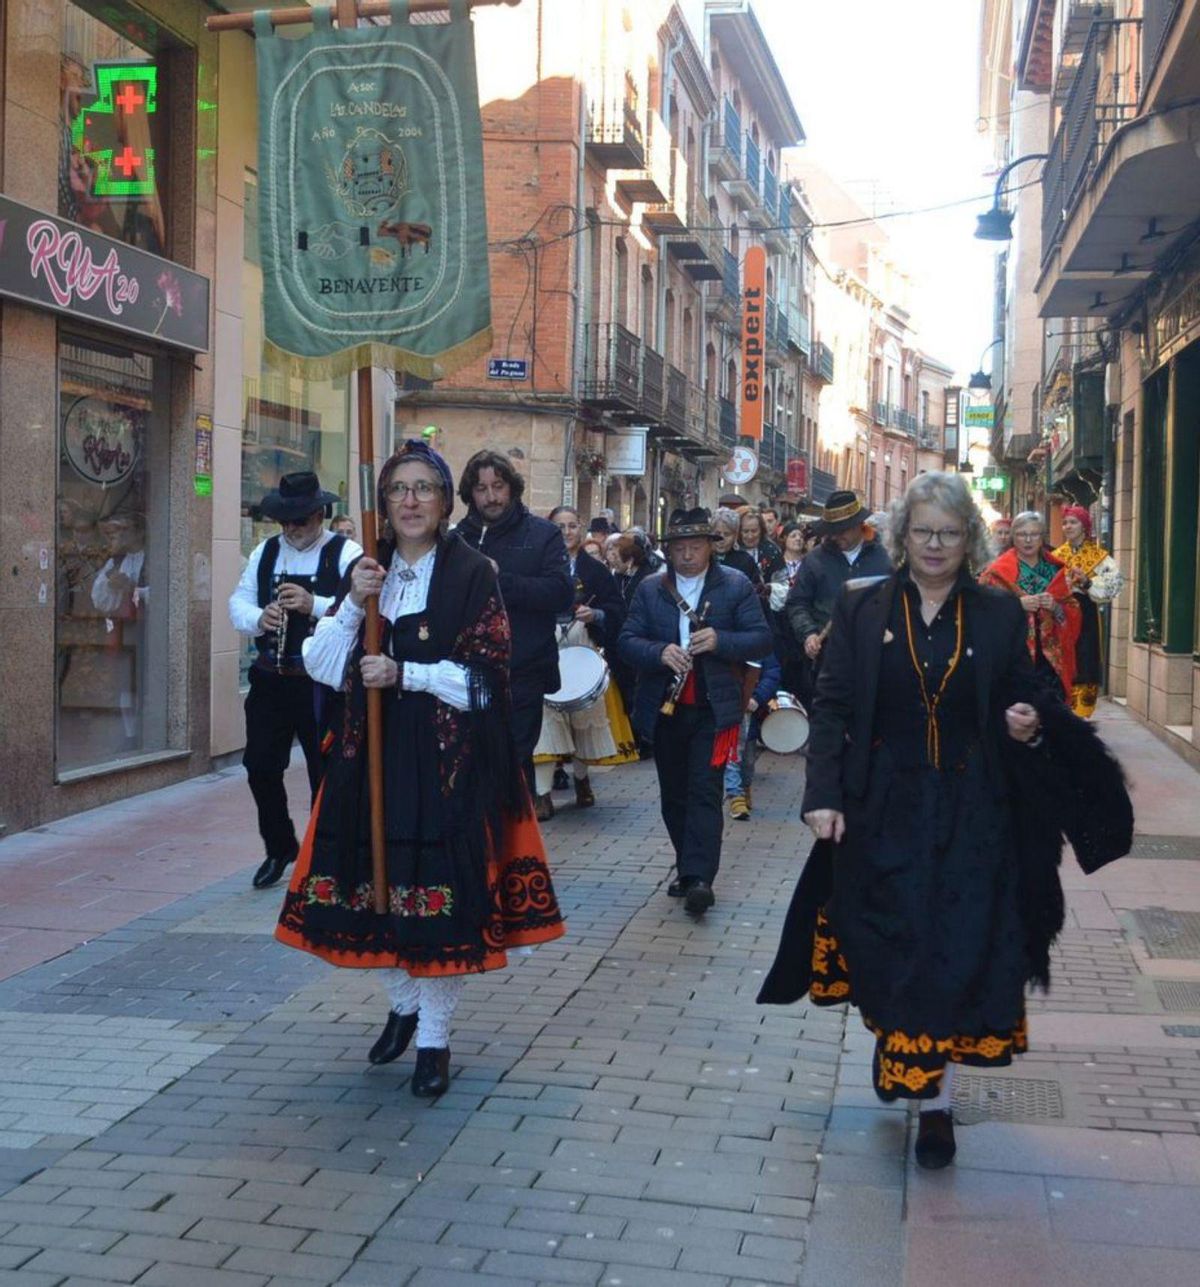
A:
{"x": 941, "y": 1101}
{"x": 433, "y": 1000}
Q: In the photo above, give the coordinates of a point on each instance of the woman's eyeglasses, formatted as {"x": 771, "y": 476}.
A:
{"x": 420, "y": 491}
{"x": 949, "y": 537}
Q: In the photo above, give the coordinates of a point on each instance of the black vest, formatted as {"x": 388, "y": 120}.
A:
{"x": 288, "y": 660}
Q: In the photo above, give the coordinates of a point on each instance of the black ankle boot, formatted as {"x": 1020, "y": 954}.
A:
{"x": 431, "y": 1077}
{"x": 935, "y": 1146}
{"x": 393, "y": 1041}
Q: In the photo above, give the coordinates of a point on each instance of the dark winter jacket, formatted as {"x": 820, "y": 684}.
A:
{"x": 819, "y": 582}
{"x": 536, "y": 586}
{"x": 736, "y": 614}
{"x": 741, "y": 561}
{"x": 596, "y": 587}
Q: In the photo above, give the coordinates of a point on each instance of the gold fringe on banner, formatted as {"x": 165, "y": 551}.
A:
{"x": 373, "y": 353}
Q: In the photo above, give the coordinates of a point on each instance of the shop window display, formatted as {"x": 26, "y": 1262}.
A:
{"x": 111, "y": 582}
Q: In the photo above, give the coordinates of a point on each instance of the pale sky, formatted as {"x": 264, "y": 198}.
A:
{"x": 888, "y": 93}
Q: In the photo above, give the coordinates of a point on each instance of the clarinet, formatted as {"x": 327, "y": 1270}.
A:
{"x": 280, "y": 631}
{"x": 680, "y": 681}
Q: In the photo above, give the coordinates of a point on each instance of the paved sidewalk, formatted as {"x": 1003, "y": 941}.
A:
{"x": 187, "y": 1102}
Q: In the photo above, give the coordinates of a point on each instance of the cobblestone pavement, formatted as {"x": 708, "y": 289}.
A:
{"x": 187, "y": 1102}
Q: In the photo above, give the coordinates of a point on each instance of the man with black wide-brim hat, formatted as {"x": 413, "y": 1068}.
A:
{"x": 845, "y": 552}
{"x": 689, "y": 631}
{"x": 289, "y": 581}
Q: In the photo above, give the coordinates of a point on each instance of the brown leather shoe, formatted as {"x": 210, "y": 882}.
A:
{"x": 584, "y": 799}
{"x": 543, "y": 808}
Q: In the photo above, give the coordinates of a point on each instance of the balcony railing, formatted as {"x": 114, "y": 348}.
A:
{"x": 781, "y": 328}
{"x": 651, "y": 401}
{"x": 1158, "y": 16}
{"x": 929, "y": 438}
{"x": 725, "y": 154}
{"x": 1103, "y": 96}
{"x": 730, "y": 281}
{"x": 613, "y": 375}
{"x": 753, "y": 163}
{"x": 771, "y": 192}
{"x": 823, "y": 365}
{"x": 614, "y": 132}
{"x": 676, "y": 412}
{"x": 727, "y": 422}
{"x": 906, "y": 422}
{"x": 881, "y": 413}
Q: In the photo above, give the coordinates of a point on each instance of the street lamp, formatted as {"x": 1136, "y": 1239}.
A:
{"x": 981, "y": 382}
{"x": 996, "y": 224}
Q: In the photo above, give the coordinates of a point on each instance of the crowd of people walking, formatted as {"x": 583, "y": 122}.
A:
{"x": 932, "y": 673}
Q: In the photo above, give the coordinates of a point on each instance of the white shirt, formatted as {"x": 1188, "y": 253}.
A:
{"x": 244, "y": 610}
{"x": 111, "y": 601}
{"x": 405, "y": 591}
{"x": 689, "y": 588}
{"x": 852, "y": 555}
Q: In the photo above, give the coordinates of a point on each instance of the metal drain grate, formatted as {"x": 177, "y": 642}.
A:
{"x": 1182, "y": 1030}
{"x": 1177, "y": 996}
{"x": 1005, "y": 1099}
{"x": 1168, "y": 934}
{"x": 1166, "y": 847}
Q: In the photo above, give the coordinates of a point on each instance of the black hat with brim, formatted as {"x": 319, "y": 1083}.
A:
{"x": 297, "y": 496}
{"x": 686, "y": 524}
{"x": 842, "y": 511}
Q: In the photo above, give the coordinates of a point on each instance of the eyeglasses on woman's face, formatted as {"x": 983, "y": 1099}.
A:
{"x": 421, "y": 491}
{"x": 947, "y": 537}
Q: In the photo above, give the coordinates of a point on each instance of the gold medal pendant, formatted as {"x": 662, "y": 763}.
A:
{"x": 423, "y": 632}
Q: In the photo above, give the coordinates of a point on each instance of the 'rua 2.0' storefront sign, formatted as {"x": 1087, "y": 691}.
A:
{"x": 54, "y": 264}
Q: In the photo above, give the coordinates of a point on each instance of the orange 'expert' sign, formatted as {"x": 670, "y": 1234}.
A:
{"x": 754, "y": 309}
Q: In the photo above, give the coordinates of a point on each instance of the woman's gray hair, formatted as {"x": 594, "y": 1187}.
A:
{"x": 726, "y": 517}
{"x": 1026, "y": 517}
{"x": 949, "y": 492}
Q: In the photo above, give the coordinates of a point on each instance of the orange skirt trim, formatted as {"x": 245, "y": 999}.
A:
{"x": 522, "y": 837}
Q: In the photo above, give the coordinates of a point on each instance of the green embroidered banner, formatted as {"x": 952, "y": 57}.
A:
{"x": 372, "y": 223}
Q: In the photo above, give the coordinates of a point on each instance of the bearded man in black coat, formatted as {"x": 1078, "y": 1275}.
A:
{"x": 534, "y": 581}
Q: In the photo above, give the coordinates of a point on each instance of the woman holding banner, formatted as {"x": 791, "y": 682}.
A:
{"x": 467, "y": 873}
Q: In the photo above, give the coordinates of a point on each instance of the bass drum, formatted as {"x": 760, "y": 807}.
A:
{"x": 584, "y": 675}
{"x": 785, "y": 729}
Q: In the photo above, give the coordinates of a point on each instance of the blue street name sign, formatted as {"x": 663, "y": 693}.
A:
{"x": 508, "y": 369}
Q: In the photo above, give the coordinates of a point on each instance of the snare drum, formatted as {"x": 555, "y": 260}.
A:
{"x": 785, "y": 729}
{"x": 584, "y": 680}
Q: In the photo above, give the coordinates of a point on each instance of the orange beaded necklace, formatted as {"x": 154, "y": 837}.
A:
{"x": 933, "y": 739}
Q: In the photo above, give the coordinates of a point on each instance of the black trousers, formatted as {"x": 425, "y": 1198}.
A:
{"x": 692, "y": 790}
{"x": 527, "y": 697}
{"x": 278, "y": 709}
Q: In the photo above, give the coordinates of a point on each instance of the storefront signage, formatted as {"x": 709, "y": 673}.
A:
{"x": 625, "y": 452}
{"x": 112, "y": 130}
{"x": 50, "y": 263}
{"x": 741, "y": 466}
{"x": 508, "y": 369}
{"x": 979, "y": 417}
{"x": 101, "y": 440}
{"x": 754, "y": 309}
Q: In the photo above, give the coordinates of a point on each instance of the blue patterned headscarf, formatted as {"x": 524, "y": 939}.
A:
{"x": 417, "y": 449}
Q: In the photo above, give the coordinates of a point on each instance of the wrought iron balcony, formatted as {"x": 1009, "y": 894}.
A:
{"x": 699, "y": 247}
{"x": 823, "y": 364}
{"x": 726, "y": 301}
{"x": 1103, "y": 96}
{"x": 881, "y": 413}
{"x": 649, "y": 182}
{"x": 744, "y": 186}
{"x": 613, "y": 373}
{"x": 725, "y": 150}
{"x": 614, "y": 130}
{"x": 800, "y": 332}
{"x": 651, "y": 401}
{"x": 675, "y": 416}
{"x": 728, "y": 422}
{"x": 929, "y": 438}
{"x": 906, "y": 422}
{"x": 671, "y": 215}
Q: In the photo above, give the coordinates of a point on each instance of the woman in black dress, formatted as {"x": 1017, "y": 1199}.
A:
{"x": 935, "y": 895}
{"x": 466, "y": 870}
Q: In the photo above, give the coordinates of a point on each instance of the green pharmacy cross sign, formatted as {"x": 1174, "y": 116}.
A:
{"x": 107, "y": 131}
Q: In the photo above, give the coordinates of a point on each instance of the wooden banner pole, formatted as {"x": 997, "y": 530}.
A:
{"x": 363, "y": 9}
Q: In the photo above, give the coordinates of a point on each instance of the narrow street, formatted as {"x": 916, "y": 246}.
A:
{"x": 189, "y": 1103}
